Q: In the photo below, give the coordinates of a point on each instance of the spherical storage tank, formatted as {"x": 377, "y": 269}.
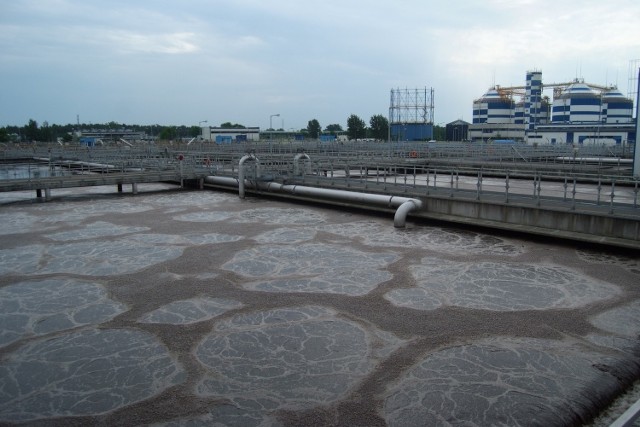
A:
{"x": 577, "y": 103}
{"x": 616, "y": 108}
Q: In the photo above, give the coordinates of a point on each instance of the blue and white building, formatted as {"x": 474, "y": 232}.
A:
{"x": 580, "y": 113}
{"x": 229, "y": 135}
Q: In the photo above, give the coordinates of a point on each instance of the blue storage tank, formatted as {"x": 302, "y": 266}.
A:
{"x": 411, "y": 131}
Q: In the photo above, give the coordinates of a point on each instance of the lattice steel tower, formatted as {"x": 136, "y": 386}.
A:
{"x": 411, "y": 106}
{"x": 411, "y": 114}
{"x": 632, "y": 87}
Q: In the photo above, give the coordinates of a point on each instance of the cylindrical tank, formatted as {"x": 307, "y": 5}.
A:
{"x": 577, "y": 103}
{"x": 492, "y": 107}
{"x": 616, "y": 108}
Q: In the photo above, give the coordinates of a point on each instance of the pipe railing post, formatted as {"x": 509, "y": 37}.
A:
{"x": 427, "y": 183}
{"x": 414, "y": 176}
{"x": 384, "y": 178}
{"x": 613, "y": 187}
{"x": 506, "y": 188}
{"x": 366, "y": 177}
{"x": 451, "y": 186}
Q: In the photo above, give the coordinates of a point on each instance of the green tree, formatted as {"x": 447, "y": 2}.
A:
{"x": 314, "y": 128}
{"x": 168, "y": 133}
{"x": 45, "y": 133}
{"x": 31, "y": 130}
{"x": 379, "y": 126}
{"x": 333, "y": 129}
{"x": 439, "y": 133}
{"x": 195, "y": 131}
{"x": 356, "y": 127}
{"x": 229, "y": 125}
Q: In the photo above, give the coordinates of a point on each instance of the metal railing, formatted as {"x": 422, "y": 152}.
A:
{"x": 544, "y": 176}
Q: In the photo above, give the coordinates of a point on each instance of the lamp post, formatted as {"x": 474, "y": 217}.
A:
{"x": 200, "y": 125}
{"x": 271, "y": 124}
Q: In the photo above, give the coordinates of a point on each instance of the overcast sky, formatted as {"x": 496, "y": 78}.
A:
{"x": 175, "y": 62}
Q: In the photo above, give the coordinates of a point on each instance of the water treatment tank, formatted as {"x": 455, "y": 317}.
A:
{"x": 577, "y": 103}
{"x": 616, "y": 108}
{"x": 493, "y": 107}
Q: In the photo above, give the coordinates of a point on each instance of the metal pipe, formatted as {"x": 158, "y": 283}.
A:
{"x": 222, "y": 180}
{"x": 400, "y": 218}
{"x": 296, "y": 170}
{"x": 241, "y": 172}
{"x": 405, "y": 205}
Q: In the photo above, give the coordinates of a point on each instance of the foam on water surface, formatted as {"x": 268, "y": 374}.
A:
{"x": 498, "y": 286}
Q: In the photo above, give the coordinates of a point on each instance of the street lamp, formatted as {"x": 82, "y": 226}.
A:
{"x": 271, "y": 124}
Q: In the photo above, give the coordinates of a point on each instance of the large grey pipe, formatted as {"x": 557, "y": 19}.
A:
{"x": 410, "y": 205}
{"x": 405, "y": 205}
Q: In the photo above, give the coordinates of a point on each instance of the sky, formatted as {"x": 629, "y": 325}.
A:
{"x": 184, "y": 62}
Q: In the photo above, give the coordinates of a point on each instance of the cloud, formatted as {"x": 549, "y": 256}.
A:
{"x": 242, "y": 58}
{"x": 135, "y": 42}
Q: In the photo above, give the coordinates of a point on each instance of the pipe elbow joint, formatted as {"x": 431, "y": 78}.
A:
{"x": 400, "y": 218}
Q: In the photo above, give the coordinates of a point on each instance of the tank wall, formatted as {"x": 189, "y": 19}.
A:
{"x": 618, "y": 111}
{"x": 411, "y": 131}
{"x": 577, "y": 109}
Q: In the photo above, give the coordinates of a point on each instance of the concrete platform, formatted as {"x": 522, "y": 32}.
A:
{"x": 180, "y": 307}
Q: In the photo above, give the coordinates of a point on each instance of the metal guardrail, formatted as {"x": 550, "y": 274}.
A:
{"x": 579, "y": 192}
{"x": 443, "y": 170}
{"x": 549, "y": 154}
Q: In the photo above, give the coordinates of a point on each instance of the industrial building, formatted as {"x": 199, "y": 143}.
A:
{"x": 100, "y": 136}
{"x": 228, "y": 135}
{"x": 457, "y": 130}
{"x": 578, "y": 113}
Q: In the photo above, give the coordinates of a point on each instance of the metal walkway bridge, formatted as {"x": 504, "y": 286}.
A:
{"x": 585, "y": 194}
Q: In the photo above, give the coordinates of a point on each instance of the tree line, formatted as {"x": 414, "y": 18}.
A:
{"x": 356, "y": 128}
{"x": 33, "y": 131}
